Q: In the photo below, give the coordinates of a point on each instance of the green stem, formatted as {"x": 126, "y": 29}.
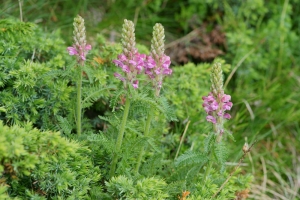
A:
{"x": 78, "y": 106}
{"x": 211, "y": 157}
{"x": 120, "y": 138}
{"x": 147, "y": 130}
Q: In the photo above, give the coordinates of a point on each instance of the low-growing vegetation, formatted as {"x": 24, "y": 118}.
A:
{"x": 96, "y": 106}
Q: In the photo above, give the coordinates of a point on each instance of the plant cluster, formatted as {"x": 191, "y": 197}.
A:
{"x": 130, "y": 145}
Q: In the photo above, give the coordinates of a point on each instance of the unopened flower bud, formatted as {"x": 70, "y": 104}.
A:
{"x": 246, "y": 148}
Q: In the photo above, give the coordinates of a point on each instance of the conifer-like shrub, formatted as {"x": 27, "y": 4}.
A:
{"x": 43, "y": 165}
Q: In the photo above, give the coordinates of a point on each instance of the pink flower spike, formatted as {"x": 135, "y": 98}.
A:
{"x": 211, "y": 119}
{"x": 72, "y": 51}
{"x": 226, "y": 116}
{"x": 88, "y": 47}
{"x": 135, "y": 84}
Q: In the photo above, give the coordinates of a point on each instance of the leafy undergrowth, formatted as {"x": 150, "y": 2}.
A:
{"x": 261, "y": 44}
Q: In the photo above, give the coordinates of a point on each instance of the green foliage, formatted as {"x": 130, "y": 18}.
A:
{"x": 205, "y": 190}
{"x": 193, "y": 13}
{"x": 147, "y": 188}
{"x": 221, "y": 154}
{"x": 263, "y": 37}
{"x": 37, "y": 82}
{"x": 37, "y": 78}
{"x": 43, "y": 165}
{"x": 27, "y": 93}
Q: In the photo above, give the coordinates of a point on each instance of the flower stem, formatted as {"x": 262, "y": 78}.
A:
{"x": 120, "y": 138}
{"x": 78, "y": 106}
{"x": 147, "y": 129}
{"x": 208, "y": 168}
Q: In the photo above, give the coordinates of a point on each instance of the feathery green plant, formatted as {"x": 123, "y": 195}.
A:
{"x": 79, "y": 49}
{"x": 45, "y": 165}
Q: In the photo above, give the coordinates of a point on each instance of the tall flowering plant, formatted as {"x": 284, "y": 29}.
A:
{"x": 157, "y": 63}
{"x": 130, "y": 61}
{"x": 217, "y": 102}
{"x": 156, "y": 68}
{"x": 79, "y": 49}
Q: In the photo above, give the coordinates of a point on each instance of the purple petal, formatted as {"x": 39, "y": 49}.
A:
{"x": 220, "y": 113}
{"x": 226, "y": 98}
{"x": 118, "y": 63}
{"x": 135, "y": 84}
{"x": 226, "y": 116}
{"x": 122, "y": 57}
{"x": 168, "y": 71}
{"x": 82, "y": 56}
{"x": 139, "y": 67}
{"x": 88, "y": 47}
{"x": 214, "y": 105}
{"x": 125, "y": 68}
{"x": 132, "y": 62}
{"x": 209, "y": 98}
{"x": 72, "y": 51}
{"x": 227, "y": 106}
{"x": 118, "y": 76}
{"x": 211, "y": 119}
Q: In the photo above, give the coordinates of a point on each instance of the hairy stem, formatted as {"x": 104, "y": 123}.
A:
{"x": 78, "y": 106}
{"x": 208, "y": 168}
{"x": 120, "y": 138}
{"x": 147, "y": 129}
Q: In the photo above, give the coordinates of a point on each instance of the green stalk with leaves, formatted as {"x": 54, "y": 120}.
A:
{"x": 79, "y": 49}
{"x": 130, "y": 61}
{"x": 215, "y": 105}
{"x": 156, "y": 67}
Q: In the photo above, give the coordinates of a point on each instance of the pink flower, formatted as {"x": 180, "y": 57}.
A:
{"x": 227, "y": 106}
{"x": 135, "y": 84}
{"x": 79, "y": 51}
{"x": 216, "y": 107}
{"x": 211, "y": 119}
{"x": 130, "y": 66}
{"x": 118, "y": 76}
{"x": 226, "y": 98}
{"x": 72, "y": 51}
{"x": 226, "y": 116}
{"x": 88, "y": 47}
{"x": 150, "y": 63}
